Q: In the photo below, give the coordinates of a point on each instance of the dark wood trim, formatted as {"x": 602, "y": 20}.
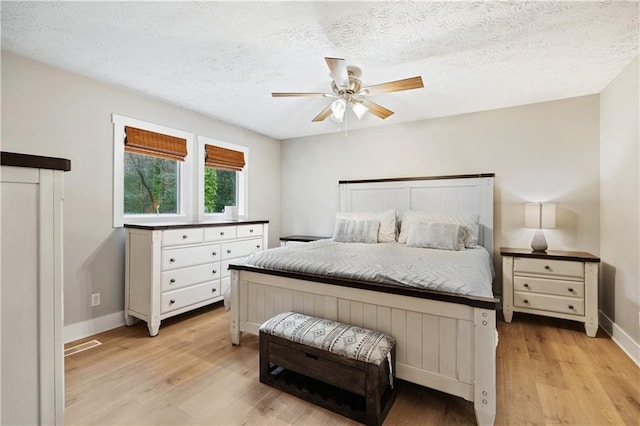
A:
{"x": 480, "y": 175}
{"x": 575, "y": 256}
{"x": 178, "y": 225}
{"x": 303, "y": 238}
{"x": 475, "y": 301}
{"x": 34, "y": 161}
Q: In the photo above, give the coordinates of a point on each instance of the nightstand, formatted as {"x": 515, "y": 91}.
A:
{"x": 299, "y": 239}
{"x": 560, "y": 284}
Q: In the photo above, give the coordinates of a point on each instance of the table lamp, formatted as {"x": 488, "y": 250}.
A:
{"x": 539, "y": 216}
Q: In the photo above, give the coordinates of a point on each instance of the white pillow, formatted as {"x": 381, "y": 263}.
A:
{"x": 470, "y": 220}
{"x": 356, "y": 231}
{"x": 387, "y": 219}
{"x": 444, "y": 236}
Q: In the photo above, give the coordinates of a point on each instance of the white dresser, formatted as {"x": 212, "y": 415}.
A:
{"x": 557, "y": 284}
{"x": 174, "y": 268}
{"x": 31, "y": 308}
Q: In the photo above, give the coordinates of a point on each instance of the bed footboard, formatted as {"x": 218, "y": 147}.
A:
{"x": 442, "y": 345}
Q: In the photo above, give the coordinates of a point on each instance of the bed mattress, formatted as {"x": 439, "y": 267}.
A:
{"x": 468, "y": 272}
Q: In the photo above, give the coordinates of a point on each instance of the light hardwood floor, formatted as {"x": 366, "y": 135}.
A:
{"x": 548, "y": 372}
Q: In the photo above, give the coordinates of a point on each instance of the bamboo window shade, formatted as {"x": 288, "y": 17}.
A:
{"x": 145, "y": 142}
{"x": 222, "y": 158}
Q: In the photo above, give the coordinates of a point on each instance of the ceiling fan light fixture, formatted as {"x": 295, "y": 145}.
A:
{"x": 338, "y": 108}
{"x": 359, "y": 109}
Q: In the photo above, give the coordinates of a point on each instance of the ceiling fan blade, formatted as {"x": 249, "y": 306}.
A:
{"x": 296, "y": 94}
{"x": 323, "y": 114}
{"x": 394, "y": 86}
{"x": 376, "y": 109}
{"x": 338, "y": 69}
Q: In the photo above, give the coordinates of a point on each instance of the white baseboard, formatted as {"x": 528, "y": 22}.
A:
{"x": 621, "y": 338}
{"x": 93, "y": 326}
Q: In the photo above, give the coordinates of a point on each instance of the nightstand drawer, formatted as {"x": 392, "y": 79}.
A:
{"x": 548, "y": 267}
{"x": 566, "y": 305}
{"x": 548, "y": 286}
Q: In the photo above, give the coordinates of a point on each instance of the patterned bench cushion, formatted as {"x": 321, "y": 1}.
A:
{"x": 346, "y": 340}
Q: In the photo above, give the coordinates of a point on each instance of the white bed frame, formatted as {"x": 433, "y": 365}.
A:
{"x": 445, "y": 342}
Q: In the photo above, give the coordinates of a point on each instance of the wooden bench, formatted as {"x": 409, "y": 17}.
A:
{"x": 347, "y": 369}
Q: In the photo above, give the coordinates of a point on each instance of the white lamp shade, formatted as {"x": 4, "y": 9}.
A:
{"x": 540, "y": 215}
{"x": 338, "y": 108}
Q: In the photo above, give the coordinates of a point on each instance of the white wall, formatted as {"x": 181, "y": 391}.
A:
{"x": 541, "y": 152}
{"x": 51, "y": 112}
{"x": 620, "y": 207}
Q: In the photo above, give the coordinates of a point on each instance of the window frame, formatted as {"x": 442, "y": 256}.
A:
{"x": 185, "y": 174}
{"x": 242, "y": 183}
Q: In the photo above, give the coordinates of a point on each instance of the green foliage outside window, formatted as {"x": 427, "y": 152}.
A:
{"x": 219, "y": 189}
{"x": 150, "y": 185}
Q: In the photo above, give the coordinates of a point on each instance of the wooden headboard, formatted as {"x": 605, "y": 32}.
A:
{"x": 438, "y": 194}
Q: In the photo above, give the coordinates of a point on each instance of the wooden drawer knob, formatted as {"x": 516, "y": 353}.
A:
{"x": 526, "y": 285}
{"x": 228, "y": 251}
{"x": 251, "y": 231}
{"x": 571, "y": 307}
{"x": 570, "y": 290}
{"x": 221, "y": 233}
{"x": 214, "y": 272}
{"x": 213, "y": 253}
{"x": 172, "y": 301}
{"x": 258, "y": 246}
{"x": 184, "y": 237}
{"x": 525, "y": 301}
{"x": 547, "y": 267}
{"x": 172, "y": 280}
{"x": 213, "y": 290}
{"x": 172, "y": 260}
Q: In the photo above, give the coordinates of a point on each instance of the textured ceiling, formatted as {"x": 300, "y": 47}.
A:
{"x": 223, "y": 59}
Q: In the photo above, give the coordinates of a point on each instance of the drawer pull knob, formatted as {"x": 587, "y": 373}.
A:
{"x": 221, "y": 233}
{"x": 547, "y": 267}
{"x": 258, "y": 246}
{"x": 172, "y": 280}
{"x": 570, "y": 306}
{"x": 184, "y": 237}
{"x": 214, "y": 272}
{"x": 251, "y": 231}
{"x": 525, "y": 301}
{"x": 570, "y": 290}
{"x": 172, "y": 301}
{"x": 213, "y": 253}
{"x": 526, "y": 285}
{"x": 173, "y": 259}
{"x": 228, "y": 251}
{"x": 213, "y": 290}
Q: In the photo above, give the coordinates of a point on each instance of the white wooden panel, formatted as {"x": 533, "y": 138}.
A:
{"x": 383, "y": 314}
{"x": 260, "y": 315}
{"x": 447, "y": 347}
{"x": 269, "y": 302}
{"x": 465, "y": 350}
{"x": 253, "y": 306}
{"x": 399, "y": 332}
{"x": 309, "y": 307}
{"x": 430, "y": 341}
{"x": 414, "y": 344}
{"x": 298, "y": 301}
{"x": 318, "y": 306}
{"x": 331, "y": 308}
{"x": 356, "y": 314}
{"x": 370, "y": 316}
{"x": 376, "y": 199}
{"x": 245, "y": 308}
{"x": 344, "y": 311}
{"x": 287, "y": 300}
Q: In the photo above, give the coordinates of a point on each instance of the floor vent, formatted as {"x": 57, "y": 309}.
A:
{"x": 81, "y": 347}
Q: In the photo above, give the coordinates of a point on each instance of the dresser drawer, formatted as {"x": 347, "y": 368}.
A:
{"x": 182, "y": 236}
{"x": 219, "y": 233}
{"x": 188, "y": 256}
{"x": 172, "y": 300}
{"x": 548, "y": 286}
{"x": 178, "y": 278}
{"x": 548, "y": 267}
{"x": 241, "y": 248}
{"x": 245, "y": 231}
{"x": 543, "y": 302}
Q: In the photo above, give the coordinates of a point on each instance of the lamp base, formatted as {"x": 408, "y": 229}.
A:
{"x": 539, "y": 242}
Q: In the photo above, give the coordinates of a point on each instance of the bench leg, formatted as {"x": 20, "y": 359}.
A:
{"x": 264, "y": 358}
{"x": 373, "y": 414}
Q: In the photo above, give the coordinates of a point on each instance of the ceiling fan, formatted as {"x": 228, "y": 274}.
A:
{"x": 348, "y": 91}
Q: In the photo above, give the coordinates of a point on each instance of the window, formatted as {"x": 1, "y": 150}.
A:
{"x": 152, "y": 166}
{"x": 159, "y": 174}
{"x": 224, "y": 176}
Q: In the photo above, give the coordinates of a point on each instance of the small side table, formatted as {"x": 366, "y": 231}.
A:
{"x": 560, "y": 284}
{"x": 299, "y": 239}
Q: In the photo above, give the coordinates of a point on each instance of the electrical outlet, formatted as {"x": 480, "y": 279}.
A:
{"x": 95, "y": 299}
